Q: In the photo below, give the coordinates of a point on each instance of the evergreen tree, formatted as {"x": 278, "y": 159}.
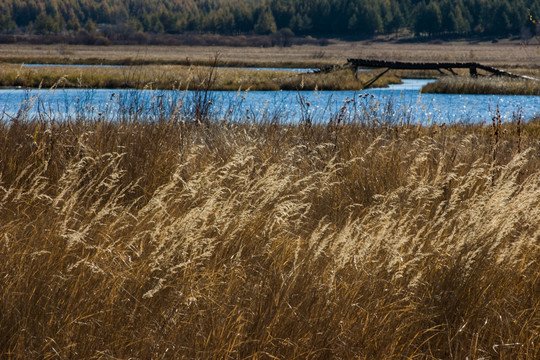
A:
{"x": 283, "y": 11}
{"x": 328, "y": 17}
{"x": 370, "y": 21}
{"x": 462, "y": 24}
{"x": 428, "y": 19}
{"x": 6, "y": 23}
{"x": 266, "y": 24}
{"x": 90, "y": 26}
{"x": 243, "y": 19}
{"x": 397, "y": 21}
{"x": 25, "y": 12}
{"x": 46, "y": 24}
{"x": 73, "y": 23}
{"x": 300, "y": 23}
{"x": 500, "y": 22}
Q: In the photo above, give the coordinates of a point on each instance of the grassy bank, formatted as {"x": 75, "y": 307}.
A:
{"x": 169, "y": 67}
{"x": 181, "y": 77}
{"x": 483, "y": 85}
{"x": 505, "y": 54}
{"x": 179, "y": 239}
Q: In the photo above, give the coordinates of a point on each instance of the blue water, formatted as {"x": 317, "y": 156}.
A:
{"x": 399, "y": 103}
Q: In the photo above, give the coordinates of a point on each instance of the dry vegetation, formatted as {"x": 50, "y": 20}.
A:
{"x": 182, "y": 77}
{"x": 483, "y": 85}
{"x": 179, "y": 239}
{"x": 506, "y": 54}
{"x": 174, "y": 67}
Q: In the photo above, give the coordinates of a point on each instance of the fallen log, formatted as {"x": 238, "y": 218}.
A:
{"x": 399, "y": 65}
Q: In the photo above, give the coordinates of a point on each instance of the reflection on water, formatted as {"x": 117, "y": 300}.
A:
{"x": 398, "y": 103}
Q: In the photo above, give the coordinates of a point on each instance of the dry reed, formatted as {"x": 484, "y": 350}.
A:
{"x": 181, "y": 77}
{"x": 483, "y": 85}
{"x": 181, "y": 240}
{"x": 501, "y": 54}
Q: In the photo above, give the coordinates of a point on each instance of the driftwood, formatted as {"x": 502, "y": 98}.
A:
{"x": 389, "y": 65}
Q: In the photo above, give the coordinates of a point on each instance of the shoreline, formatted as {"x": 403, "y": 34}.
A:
{"x": 503, "y": 53}
{"x": 483, "y": 86}
{"x": 168, "y": 67}
{"x": 173, "y": 77}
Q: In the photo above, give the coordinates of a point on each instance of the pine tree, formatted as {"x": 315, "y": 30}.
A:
{"x": 428, "y": 19}
{"x": 266, "y": 24}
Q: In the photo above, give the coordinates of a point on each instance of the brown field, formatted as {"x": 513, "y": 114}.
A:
{"x": 187, "y": 239}
{"x": 483, "y": 85}
{"x": 172, "y": 67}
{"x": 504, "y": 53}
{"x": 182, "y": 77}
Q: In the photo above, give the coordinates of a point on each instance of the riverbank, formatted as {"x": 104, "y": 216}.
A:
{"x": 220, "y": 240}
{"x": 483, "y": 85}
{"x": 507, "y": 54}
{"x": 396, "y": 104}
{"x": 174, "y": 77}
{"x": 172, "y": 67}
{"x": 177, "y": 77}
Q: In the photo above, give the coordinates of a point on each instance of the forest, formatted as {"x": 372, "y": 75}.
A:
{"x": 322, "y": 18}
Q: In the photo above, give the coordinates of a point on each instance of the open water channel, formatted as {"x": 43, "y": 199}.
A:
{"x": 403, "y": 103}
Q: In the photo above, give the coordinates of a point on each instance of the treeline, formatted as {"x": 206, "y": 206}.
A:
{"x": 117, "y": 18}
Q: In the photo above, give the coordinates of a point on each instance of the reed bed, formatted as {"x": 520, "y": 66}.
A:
{"x": 182, "y": 239}
{"x": 501, "y": 54}
{"x": 166, "y": 77}
{"x": 483, "y": 85}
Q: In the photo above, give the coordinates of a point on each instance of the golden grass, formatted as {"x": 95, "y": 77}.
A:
{"x": 173, "y": 67}
{"x": 483, "y": 85}
{"x": 175, "y": 239}
{"x": 502, "y": 54}
{"x": 182, "y": 77}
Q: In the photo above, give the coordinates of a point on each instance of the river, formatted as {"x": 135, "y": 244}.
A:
{"x": 403, "y": 103}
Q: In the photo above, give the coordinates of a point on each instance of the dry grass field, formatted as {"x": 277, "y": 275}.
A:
{"x": 483, "y": 85}
{"x": 503, "y": 53}
{"x": 182, "y": 77}
{"x": 174, "y": 67}
{"x": 176, "y": 239}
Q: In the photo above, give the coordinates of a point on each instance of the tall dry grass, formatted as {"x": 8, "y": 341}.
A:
{"x": 182, "y": 240}
{"x": 503, "y": 54}
{"x": 483, "y": 85}
{"x": 183, "y": 77}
